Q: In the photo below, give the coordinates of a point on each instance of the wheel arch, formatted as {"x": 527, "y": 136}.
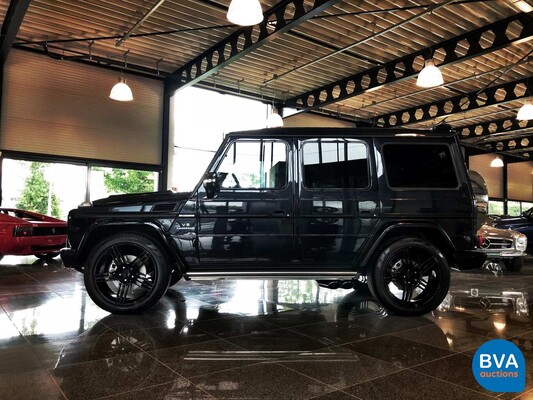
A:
{"x": 423, "y": 230}
{"x": 99, "y": 232}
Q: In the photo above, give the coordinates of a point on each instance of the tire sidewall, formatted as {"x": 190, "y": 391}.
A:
{"x": 160, "y": 264}
{"x": 514, "y": 264}
{"x": 383, "y": 295}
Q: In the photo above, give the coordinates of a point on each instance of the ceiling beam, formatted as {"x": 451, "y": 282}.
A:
{"x": 493, "y": 95}
{"x": 494, "y": 127}
{"x": 404, "y": 68}
{"x": 12, "y": 21}
{"x": 250, "y": 38}
{"x": 509, "y": 144}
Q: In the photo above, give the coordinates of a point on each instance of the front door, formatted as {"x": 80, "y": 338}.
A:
{"x": 250, "y": 221}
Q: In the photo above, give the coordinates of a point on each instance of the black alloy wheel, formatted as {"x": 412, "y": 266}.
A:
{"x": 126, "y": 273}
{"x": 411, "y": 277}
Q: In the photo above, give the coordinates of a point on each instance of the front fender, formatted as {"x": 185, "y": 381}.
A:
{"x": 102, "y": 229}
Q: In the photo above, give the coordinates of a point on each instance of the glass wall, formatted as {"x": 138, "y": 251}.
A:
{"x": 201, "y": 120}
{"x": 54, "y": 188}
{"x": 109, "y": 181}
{"x": 47, "y": 188}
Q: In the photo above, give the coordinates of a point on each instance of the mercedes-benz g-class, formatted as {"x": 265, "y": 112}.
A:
{"x": 391, "y": 208}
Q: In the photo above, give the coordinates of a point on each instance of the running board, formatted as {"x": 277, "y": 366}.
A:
{"x": 336, "y": 275}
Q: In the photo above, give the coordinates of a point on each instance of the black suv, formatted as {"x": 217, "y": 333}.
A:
{"x": 390, "y": 208}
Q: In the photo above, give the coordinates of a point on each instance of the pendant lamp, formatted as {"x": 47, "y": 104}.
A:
{"x": 430, "y": 76}
{"x": 121, "y": 91}
{"x": 245, "y": 12}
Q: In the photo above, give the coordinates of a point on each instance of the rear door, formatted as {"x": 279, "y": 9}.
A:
{"x": 338, "y": 201}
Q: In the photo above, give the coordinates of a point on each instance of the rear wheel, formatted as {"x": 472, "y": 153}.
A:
{"x": 126, "y": 273}
{"x": 411, "y": 277}
{"x": 514, "y": 264}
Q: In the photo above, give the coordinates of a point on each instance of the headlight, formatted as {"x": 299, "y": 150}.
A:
{"x": 521, "y": 242}
{"x": 521, "y": 306}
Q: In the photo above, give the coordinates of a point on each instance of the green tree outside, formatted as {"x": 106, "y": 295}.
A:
{"x": 36, "y": 192}
{"x": 128, "y": 181}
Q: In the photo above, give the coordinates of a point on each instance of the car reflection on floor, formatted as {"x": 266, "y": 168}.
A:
{"x": 250, "y": 338}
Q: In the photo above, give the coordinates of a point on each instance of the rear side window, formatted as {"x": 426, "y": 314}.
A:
{"x": 419, "y": 166}
{"x": 335, "y": 163}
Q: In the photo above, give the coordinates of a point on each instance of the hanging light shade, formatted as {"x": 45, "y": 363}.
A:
{"x": 430, "y": 76}
{"x": 496, "y": 163}
{"x": 121, "y": 91}
{"x": 274, "y": 120}
{"x": 245, "y": 12}
{"x": 525, "y": 113}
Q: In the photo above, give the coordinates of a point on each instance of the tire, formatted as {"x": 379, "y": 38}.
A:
{"x": 411, "y": 277}
{"x": 514, "y": 264}
{"x": 47, "y": 256}
{"x": 126, "y": 273}
{"x": 175, "y": 277}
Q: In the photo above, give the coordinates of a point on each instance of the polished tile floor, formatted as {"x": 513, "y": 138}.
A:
{"x": 251, "y": 340}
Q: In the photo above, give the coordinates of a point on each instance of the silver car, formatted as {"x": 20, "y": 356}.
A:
{"x": 498, "y": 245}
{"x": 502, "y": 245}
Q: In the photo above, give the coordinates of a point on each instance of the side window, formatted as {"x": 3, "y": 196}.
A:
{"x": 254, "y": 164}
{"x": 419, "y": 166}
{"x": 335, "y": 163}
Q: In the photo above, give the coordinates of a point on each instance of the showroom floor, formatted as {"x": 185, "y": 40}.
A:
{"x": 251, "y": 340}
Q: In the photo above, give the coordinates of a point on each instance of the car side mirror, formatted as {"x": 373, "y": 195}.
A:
{"x": 211, "y": 184}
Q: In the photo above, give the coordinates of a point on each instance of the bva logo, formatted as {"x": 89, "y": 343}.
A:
{"x": 499, "y": 366}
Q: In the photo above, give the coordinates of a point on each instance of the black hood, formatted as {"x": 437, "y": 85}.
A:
{"x": 141, "y": 198}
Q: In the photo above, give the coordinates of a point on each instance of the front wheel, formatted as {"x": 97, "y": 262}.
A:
{"x": 514, "y": 264}
{"x": 126, "y": 273}
{"x": 411, "y": 277}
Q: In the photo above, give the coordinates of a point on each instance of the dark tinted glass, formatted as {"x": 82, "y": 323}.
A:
{"x": 335, "y": 163}
{"x": 419, "y": 166}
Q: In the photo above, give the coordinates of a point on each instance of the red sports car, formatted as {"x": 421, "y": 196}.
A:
{"x": 25, "y": 233}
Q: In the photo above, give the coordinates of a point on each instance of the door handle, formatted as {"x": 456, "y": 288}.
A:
{"x": 280, "y": 213}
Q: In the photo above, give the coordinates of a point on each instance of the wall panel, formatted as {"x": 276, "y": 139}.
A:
{"x": 493, "y": 176}
{"x": 62, "y": 108}
{"x": 520, "y": 181}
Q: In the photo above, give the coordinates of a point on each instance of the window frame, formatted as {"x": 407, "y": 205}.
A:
{"x": 336, "y": 140}
{"x": 232, "y": 141}
{"x": 408, "y": 188}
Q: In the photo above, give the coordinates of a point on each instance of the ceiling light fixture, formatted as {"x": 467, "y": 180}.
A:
{"x": 497, "y": 162}
{"x": 121, "y": 91}
{"x": 523, "y": 6}
{"x": 245, "y": 12}
{"x": 430, "y": 76}
{"x": 274, "y": 120}
{"x": 525, "y": 113}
